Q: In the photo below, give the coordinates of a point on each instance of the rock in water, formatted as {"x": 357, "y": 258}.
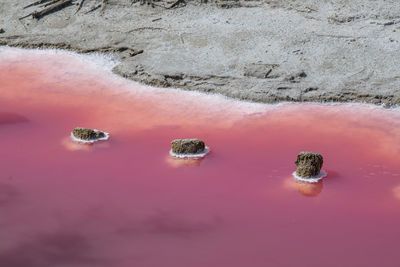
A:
{"x": 187, "y": 146}
{"x": 1, "y": 30}
{"x": 308, "y": 164}
{"x": 88, "y": 134}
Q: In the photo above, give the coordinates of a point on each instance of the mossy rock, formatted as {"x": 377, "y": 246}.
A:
{"x": 88, "y": 134}
{"x": 308, "y": 164}
{"x": 187, "y": 146}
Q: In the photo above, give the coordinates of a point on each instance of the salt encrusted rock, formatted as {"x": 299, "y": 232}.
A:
{"x": 88, "y": 134}
{"x": 187, "y": 146}
{"x": 308, "y": 164}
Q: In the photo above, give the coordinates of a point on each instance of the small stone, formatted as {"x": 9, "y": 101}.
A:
{"x": 1, "y": 30}
{"x": 88, "y": 134}
{"x": 308, "y": 164}
{"x": 187, "y": 146}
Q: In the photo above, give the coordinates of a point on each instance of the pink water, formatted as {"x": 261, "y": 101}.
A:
{"x": 125, "y": 202}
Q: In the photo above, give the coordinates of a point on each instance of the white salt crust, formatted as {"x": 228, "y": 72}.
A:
{"x": 197, "y": 155}
{"x": 107, "y": 135}
{"x": 313, "y": 179}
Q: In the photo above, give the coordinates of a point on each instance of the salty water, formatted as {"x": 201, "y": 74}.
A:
{"x": 126, "y": 202}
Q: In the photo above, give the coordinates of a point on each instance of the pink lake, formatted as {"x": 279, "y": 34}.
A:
{"x": 125, "y": 202}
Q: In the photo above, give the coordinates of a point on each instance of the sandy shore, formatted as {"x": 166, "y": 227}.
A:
{"x": 263, "y": 51}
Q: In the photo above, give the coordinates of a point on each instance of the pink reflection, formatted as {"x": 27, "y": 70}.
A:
{"x": 179, "y": 162}
{"x": 396, "y": 192}
{"x": 72, "y": 145}
{"x": 11, "y": 118}
{"x": 305, "y": 188}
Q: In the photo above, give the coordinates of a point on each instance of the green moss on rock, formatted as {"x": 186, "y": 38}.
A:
{"x": 187, "y": 146}
{"x": 308, "y": 164}
{"x": 87, "y": 134}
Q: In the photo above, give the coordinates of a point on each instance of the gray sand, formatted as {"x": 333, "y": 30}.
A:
{"x": 264, "y": 51}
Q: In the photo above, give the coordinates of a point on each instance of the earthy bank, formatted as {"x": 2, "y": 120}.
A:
{"x": 263, "y": 51}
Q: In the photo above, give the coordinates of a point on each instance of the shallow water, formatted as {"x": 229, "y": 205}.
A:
{"x": 126, "y": 202}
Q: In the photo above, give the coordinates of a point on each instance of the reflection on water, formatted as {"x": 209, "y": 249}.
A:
{"x": 8, "y": 193}
{"x": 305, "y": 188}
{"x": 309, "y": 189}
{"x": 126, "y": 202}
{"x": 171, "y": 224}
{"x": 72, "y": 145}
{"x": 396, "y": 192}
{"x": 178, "y": 162}
{"x": 11, "y": 118}
{"x": 55, "y": 249}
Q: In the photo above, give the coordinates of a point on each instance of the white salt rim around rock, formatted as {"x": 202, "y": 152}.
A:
{"x": 312, "y": 179}
{"x": 197, "y": 155}
{"x": 106, "y": 136}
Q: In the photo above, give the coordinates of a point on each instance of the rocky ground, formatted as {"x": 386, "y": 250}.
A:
{"x": 264, "y": 51}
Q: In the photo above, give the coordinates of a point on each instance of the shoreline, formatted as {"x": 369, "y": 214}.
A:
{"x": 201, "y": 47}
{"x": 108, "y": 62}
